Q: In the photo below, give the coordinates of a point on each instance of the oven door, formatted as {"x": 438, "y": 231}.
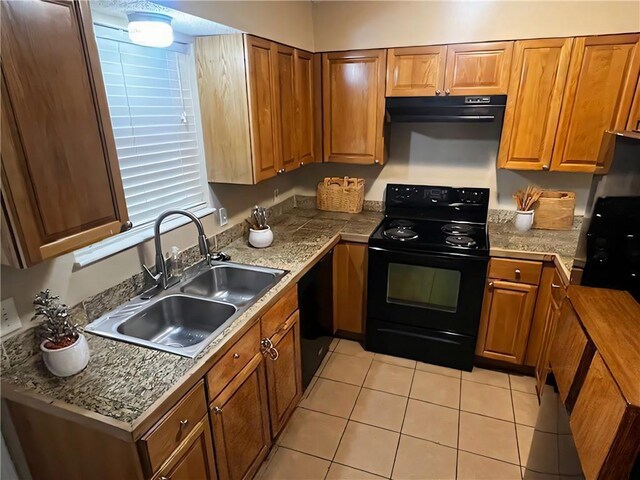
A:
{"x": 440, "y": 292}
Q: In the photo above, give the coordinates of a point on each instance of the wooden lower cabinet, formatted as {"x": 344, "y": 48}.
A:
{"x": 240, "y": 422}
{"x": 506, "y": 319}
{"x": 542, "y": 362}
{"x": 284, "y": 374}
{"x": 193, "y": 459}
{"x": 349, "y": 287}
{"x": 570, "y": 355}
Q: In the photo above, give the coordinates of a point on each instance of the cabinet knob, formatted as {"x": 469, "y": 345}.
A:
{"x": 236, "y": 355}
{"x": 545, "y": 167}
{"x": 376, "y": 161}
{"x": 126, "y": 226}
{"x": 184, "y": 423}
{"x": 301, "y": 163}
{"x": 490, "y": 284}
{"x": 518, "y": 272}
{"x": 438, "y": 92}
{"x": 553, "y": 285}
{"x": 447, "y": 92}
{"x": 164, "y": 478}
{"x": 217, "y": 410}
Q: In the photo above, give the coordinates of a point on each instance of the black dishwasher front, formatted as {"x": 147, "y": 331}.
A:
{"x": 315, "y": 300}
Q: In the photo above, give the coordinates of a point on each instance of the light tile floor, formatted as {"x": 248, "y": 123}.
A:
{"x": 369, "y": 416}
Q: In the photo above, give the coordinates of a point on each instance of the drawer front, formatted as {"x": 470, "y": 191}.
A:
{"x": 521, "y": 271}
{"x": 165, "y": 436}
{"x": 558, "y": 291}
{"x": 571, "y": 353}
{"x": 277, "y": 315}
{"x": 233, "y": 361}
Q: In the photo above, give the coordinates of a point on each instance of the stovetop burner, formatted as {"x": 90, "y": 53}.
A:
{"x": 457, "y": 229}
{"x": 401, "y": 233}
{"x": 460, "y": 241}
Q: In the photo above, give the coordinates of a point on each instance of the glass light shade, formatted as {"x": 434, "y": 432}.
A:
{"x": 150, "y": 29}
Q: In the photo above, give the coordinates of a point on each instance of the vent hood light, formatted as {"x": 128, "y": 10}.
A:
{"x": 150, "y": 29}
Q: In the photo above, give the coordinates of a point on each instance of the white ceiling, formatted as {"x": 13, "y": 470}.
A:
{"x": 181, "y": 22}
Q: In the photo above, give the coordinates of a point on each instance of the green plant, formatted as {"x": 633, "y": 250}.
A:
{"x": 55, "y": 328}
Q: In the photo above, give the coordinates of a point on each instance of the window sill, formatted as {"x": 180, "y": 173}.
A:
{"x": 124, "y": 241}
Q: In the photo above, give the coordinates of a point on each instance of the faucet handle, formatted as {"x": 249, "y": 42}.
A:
{"x": 155, "y": 277}
{"x": 221, "y": 257}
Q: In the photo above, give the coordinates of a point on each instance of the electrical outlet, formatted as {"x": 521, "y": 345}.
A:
{"x": 10, "y": 319}
{"x": 276, "y": 192}
{"x": 222, "y": 216}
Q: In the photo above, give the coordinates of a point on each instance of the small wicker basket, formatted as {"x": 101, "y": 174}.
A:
{"x": 337, "y": 194}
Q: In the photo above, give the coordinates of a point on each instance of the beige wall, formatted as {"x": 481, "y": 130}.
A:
{"x": 344, "y": 25}
{"x": 289, "y": 22}
{"x": 462, "y": 155}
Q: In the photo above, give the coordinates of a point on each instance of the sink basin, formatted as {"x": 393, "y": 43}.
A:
{"x": 177, "y": 321}
{"x": 230, "y": 284}
{"x": 186, "y": 317}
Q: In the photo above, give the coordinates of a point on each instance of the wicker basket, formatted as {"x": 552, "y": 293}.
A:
{"x": 337, "y": 194}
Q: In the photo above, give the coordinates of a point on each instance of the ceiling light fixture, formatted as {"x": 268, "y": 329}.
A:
{"x": 150, "y": 29}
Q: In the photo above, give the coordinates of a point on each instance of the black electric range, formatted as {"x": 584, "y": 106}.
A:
{"x": 426, "y": 274}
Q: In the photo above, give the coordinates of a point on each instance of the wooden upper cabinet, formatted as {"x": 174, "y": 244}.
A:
{"x": 538, "y": 75}
{"x": 307, "y": 86}
{"x": 256, "y": 97}
{"x": 478, "y": 68}
{"x": 353, "y": 86}
{"x": 61, "y": 184}
{"x": 506, "y": 319}
{"x": 415, "y": 71}
{"x": 603, "y": 73}
{"x": 262, "y": 70}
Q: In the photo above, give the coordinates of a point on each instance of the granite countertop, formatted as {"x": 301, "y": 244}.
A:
{"x": 505, "y": 240}
{"x": 123, "y": 381}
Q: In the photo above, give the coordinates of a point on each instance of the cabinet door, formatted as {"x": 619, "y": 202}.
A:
{"x": 542, "y": 362}
{"x": 602, "y": 76}
{"x": 305, "y": 107}
{"x": 61, "y": 180}
{"x": 193, "y": 459}
{"x": 634, "y": 116}
{"x": 478, "y": 68}
{"x": 506, "y": 320}
{"x": 286, "y": 109}
{"x": 571, "y": 353}
{"x": 240, "y": 419}
{"x": 262, "y": 64}
{"x": 349, "y": 287}
{"x": 538, "y": 75}
{"x": 416, "y": 71}
{"x": 284, "y": 374}
{"x": 353, "y": 106}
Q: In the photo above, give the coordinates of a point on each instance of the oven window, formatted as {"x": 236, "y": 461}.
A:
{"x": 423, "y": 287}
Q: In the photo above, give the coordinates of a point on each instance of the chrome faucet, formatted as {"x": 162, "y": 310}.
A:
{"x": 161, "y": 277}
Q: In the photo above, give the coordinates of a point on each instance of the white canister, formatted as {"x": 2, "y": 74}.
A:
{"x": 524, "y": 220}
{"x": 260, "y": 238}
{"x": 63, "y": 362}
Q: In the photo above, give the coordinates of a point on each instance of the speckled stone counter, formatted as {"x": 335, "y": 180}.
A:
{"x": 547, "y": 245}
{"x": 123, "y": 381}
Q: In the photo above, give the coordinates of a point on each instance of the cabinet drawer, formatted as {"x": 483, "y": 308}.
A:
{"x": 571, "y": 354}
{"x": 280, "y": 312}
{"x": 165, "y": 436}
{"x": 233, "y": 361}
{"x": 522, "y": 271}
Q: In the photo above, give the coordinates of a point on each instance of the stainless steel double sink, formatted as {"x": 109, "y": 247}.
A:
{"x": 186, "y": 317}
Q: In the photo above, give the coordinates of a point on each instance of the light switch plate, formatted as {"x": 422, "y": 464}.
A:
{"x": 10, "y": 320}
{"x": 222, "y": 216}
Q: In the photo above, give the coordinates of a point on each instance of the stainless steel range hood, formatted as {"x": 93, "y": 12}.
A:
{"x": 468, "y": 109}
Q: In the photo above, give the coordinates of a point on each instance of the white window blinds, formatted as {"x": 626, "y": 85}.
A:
{"x": 153, "y": 118}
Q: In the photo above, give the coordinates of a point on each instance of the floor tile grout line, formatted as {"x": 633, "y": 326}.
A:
{"x": 515, "y": 428}
{"x": 406, "y": 407}
{"x": 359, "y": 469}
{"x": 459, "y": 414}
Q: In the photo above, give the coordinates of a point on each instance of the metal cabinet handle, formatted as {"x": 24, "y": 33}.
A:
{"x": 268, "y": 349}
{"x": 301, "y": 163}
{"x": 438, "y": 92}
{"x": 164, "y": 478}
{"x": 273, "y": 353}
{"x": 376, "y": 161}
{"x": 217, "y": 410}
{"x": 553, "y": 285}
{"x": 545, "y": 167}
{"x": 490, "y": 284}
{"x": 236, "y": 355}
{"x": 183, "y": 423}
{"x": 447, "y": 92}
{"x": 518, "y": 272}
{"x": 126, "y": 226}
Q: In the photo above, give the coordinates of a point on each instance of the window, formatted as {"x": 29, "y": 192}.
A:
{"x": 154, "y": 113}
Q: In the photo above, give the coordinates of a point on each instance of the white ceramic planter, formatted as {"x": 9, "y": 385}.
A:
{"x": 524, "y": 220}
{"x": 260, "y": 238}
{"x": 66, "y": 361}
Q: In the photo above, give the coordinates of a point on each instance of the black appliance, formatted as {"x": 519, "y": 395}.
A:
{"x": 613, "y": 245}
{"x": 427, "y": 270}
{"x": 315, "y": 302}
{"x": 469, "y": 109}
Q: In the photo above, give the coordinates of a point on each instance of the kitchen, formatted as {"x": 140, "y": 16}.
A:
{"x": 267, "y": 99}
